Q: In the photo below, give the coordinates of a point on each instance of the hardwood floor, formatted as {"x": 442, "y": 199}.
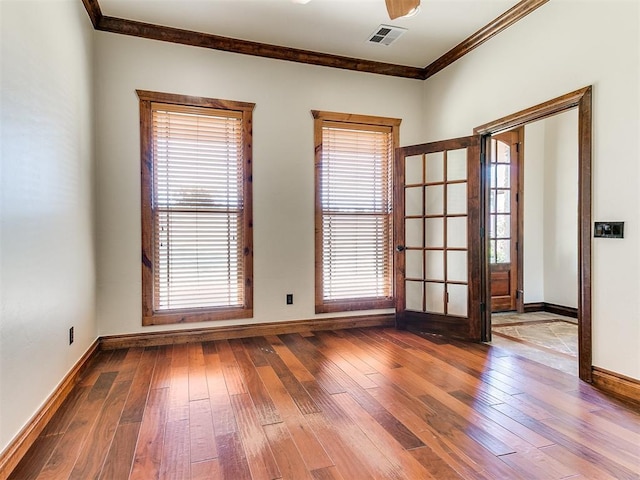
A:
{"x": 348, "y": 404}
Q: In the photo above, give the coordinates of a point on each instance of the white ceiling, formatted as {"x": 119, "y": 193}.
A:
{"x": 338, "y": 27}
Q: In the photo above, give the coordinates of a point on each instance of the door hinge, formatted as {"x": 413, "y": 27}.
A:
{"x": 517, "y": 197}
{"x": 517, "y": 294}
{"x": 483, "y": 307}
{"x": 481, "y": 232}
{"x": 518, "y": 147}
{"x": 517, "y": 246}
{"x": 483, "y": 158}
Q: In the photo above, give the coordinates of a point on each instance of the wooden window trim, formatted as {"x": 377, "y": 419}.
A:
{"x": 352, "y": 121}
{"x": 245, "y": 110}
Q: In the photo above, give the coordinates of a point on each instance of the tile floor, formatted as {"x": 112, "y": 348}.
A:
{"x": 541, "y": 336}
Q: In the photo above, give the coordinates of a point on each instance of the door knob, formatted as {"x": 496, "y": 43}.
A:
{"x": 400, "y": 248}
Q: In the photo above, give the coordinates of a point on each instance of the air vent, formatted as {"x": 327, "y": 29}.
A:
{"x": 386, "y": 34}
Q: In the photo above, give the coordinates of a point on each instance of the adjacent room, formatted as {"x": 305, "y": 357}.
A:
{"x": 319, "y": 239}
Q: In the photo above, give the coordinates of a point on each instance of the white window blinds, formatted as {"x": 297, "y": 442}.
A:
{"x": 356, "y": 201}
{"x": 197, "y": 207}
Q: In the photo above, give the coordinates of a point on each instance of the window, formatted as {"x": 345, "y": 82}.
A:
{"x": 197, "y": 246}
{"x": 353, "y": 220}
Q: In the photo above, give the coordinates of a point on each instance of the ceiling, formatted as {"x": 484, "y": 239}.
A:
{"x": 327, "y": 27}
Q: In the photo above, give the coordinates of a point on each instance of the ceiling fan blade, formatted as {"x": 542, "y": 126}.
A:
{"x": 400, "y": 8}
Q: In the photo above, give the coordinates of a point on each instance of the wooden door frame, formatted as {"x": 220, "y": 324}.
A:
{"x": 582, "y": 100}
{"x": 520, "y": 228}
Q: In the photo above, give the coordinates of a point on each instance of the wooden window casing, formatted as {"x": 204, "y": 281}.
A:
{"x": 197, "y": 239}
{"x": 354, "y": 211}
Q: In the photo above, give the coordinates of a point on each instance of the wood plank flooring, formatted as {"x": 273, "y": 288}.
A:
{"x": 350, "y": 404}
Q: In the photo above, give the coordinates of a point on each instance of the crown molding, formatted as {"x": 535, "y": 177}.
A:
{"x": 215, "y": 42}
{"x": 93, "y": 10}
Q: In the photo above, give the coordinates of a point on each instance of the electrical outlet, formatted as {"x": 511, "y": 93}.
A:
{"x": 70, "y": 335}
{"x": 289, "y": 298}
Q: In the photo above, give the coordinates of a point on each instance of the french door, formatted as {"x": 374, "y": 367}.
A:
{"x": 438, "y": 237}
{"x": 504, "y": 246}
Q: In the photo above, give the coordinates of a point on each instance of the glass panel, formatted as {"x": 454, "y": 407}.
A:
{"x": 457, "y": 232}
{"x": 434, "y": 296}
{"x": 435, "y": 200}
{"x": 413, "y": 232}
{"x": 458, "y": 302}
{"x": 413, "y": 170}
{"x": 456, "y": 198}
{"x": 413, "y": 201}
{"x": 435, "y": 167}
{"x": 493, "y": 150}
{"x": 503, "y": 154}
{"x": 457, "y": 266}
{"x": 434, "y": 232}
{"x": 503, "y": 201}
{"x": 434, "y": 268}
{"x": 413, "y": 263}
{"x": 503, "y": 251}
{"x": 413, "y": 295}
{"x": 502, "y": 176}
{"x": 503, "y": 226}
{"x": 457, "y": 164}
{"x": 500, "y": 203}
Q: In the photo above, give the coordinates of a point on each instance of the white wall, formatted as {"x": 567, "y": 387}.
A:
{"x": 563, "y": 46}
{"x": 551, "y": 210}
{"x": 283, "y": 166}
{"x": 47, "y": 281}
{"x": 561, "y": 210}
{"x": 533, "y": 198}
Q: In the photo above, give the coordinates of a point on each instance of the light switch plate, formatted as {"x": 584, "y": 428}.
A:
{"x": 608, "y": 230}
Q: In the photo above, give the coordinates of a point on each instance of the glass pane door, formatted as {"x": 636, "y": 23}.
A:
{"x": 500, "y": 202}
{"x": 436, "y": 250}
{"x": 503, "y": 220}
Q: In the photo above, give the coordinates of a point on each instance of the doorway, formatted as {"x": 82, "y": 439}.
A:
{"x": 545, "y": 190}
{"x": 580, "y": 100}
